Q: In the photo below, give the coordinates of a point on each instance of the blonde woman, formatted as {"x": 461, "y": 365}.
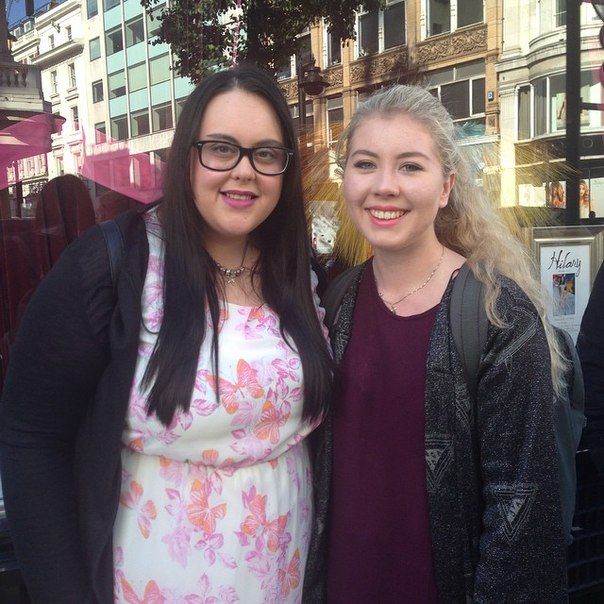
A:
{"x": 421, "y": 494}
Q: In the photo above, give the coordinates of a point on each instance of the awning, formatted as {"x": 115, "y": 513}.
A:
{"x": 26, "y": 138}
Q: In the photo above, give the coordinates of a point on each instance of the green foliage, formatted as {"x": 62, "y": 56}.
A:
{"x": 205, "y": 35}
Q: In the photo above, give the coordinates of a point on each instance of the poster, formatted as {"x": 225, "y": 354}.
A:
{"x": 568, "y": 259}
{"x": 566, "y": 270}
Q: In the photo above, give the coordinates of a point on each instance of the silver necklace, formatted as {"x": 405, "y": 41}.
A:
{"x": 230, "y": 274}
{"x": 394, "y": 305}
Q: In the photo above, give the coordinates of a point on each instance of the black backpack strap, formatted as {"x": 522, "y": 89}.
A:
{"x": 335, "y": 293}
{"x": 469, "y": 323}
{"x": 115, "y": 247}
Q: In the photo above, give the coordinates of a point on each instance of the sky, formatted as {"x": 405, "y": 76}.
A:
{"x": 15, "y": 9}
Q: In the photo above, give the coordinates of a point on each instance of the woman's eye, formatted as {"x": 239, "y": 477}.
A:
{"x": 364, "y": 164}
{"x": 265, "y": 153}
{"x": 410, "y": 168}
{"x": 222, "y": 149}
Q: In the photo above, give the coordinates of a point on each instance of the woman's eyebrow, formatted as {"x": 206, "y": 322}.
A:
{"x": 268, "y": 142}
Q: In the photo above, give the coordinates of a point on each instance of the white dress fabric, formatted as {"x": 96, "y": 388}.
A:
{"x": 216, "y": 507}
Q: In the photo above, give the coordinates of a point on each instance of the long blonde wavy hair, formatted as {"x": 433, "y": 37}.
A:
{"x": 469, "y": 224}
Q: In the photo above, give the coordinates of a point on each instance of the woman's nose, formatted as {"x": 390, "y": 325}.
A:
{"x": 244, "y": 169}
{"x": 386, "y": 183}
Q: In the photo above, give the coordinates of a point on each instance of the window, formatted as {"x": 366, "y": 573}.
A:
{"x": 543, "y": 104}
{"x": 114, "y": 40}
{"x": 72, "y": 75}
{"x": 560, "y": 13}
{"x": 284, "y": 69}
{"x": 439, "y": 17}
{"x": 137, "y": 77}
{"x": 134, "y": 32}
{"x": 524, "y": 112}
{"x": 469, "y": 12}
{"x": 68, "y": 33}
{"x": 180, "y": 103}
{"x": 334, "y": 50}
{"x": 95, "y": 49}
{"x": 161, "y": 117}
{"x": 75, "y": 118}
{"x": 51, "y": 41}
{"x": 368, "y": 33}
{"x": 309, "y": 123}
{"x": 139, "y": 122}
{"x": 109, "y": 4}
{"x": 119, "y": 128}
{"x": 153, "y": 21}
{"x": 304, "y": 48}
{"x": 540, "y": 91}
{"x": 442, "y": 19}
{"x": 92, "y": 8}
{"x": 159, "y": 68}
{"x": 461, "y": 90}
{"x": 53, "y": 82}
{"x": 379, "y": 30}
{"x": 394, "y": 25}
{"x": 116, "y": 83}
{"x": 97, "y": 91}
{"x": 335, "y": 119}
{"x": 100, "y": 130}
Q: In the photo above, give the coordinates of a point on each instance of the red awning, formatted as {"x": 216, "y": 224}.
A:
{"x": 26, "y": 138}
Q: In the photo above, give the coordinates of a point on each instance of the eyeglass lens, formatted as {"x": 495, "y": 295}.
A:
{"x": 218, "y": 155}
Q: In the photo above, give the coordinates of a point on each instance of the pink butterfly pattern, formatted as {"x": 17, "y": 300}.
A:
{"x": 202, "y": 518}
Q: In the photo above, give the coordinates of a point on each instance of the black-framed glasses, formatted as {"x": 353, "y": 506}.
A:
{"x": 222, "y": 156}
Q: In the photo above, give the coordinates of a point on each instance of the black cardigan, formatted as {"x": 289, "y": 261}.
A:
{"x": 63, "y": 408}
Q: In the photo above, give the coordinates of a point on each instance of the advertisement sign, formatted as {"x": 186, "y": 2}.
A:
{"x": 568, "y": 259}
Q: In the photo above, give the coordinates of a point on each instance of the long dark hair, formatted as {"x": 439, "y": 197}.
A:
{"x": 189, "y": 272}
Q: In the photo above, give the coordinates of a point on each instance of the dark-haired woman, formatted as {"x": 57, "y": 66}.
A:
{"x": 154, "y": 429}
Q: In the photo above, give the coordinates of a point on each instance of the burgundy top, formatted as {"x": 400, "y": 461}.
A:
{"x": 379, "y": 536}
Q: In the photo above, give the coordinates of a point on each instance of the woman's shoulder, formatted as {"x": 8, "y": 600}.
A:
{"x": 511, "y": 295}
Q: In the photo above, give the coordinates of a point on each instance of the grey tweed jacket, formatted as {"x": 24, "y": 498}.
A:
{"x": 493, "y": 490}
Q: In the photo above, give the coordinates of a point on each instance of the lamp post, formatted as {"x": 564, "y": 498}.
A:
{"x": 311, "y": 82}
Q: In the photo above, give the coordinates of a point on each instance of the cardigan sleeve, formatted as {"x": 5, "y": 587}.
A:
{"x": 521, "y": 550}
{"x": 55, "y": 364}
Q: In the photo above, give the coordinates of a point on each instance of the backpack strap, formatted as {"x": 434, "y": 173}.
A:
{"x": 335, "y": 293}
{"x": 469, "y": 323}
{"x": 115, "y": 247}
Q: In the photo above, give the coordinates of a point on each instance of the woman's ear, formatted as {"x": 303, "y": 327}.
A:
{"x": 447, "y": 188}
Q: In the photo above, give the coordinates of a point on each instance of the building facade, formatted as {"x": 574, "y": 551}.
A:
{"x": 498, "y": 67}
{"x": 112, "y": 85}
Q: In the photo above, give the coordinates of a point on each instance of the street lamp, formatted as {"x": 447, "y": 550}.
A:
{"x": 311, "y": 82}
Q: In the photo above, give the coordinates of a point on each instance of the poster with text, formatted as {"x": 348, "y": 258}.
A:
{"x": 566, "y": 274}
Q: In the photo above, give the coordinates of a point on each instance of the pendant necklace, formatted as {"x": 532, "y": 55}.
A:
{"x": 231, "y": 274}
{"x": 394, "y": 305}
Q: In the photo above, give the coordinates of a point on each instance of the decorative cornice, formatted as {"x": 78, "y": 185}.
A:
{"x": 369, "y": 68}
{"x": 457, "y": 44}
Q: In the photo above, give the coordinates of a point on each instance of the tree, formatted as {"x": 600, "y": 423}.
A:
{"x": 209, "y": 34}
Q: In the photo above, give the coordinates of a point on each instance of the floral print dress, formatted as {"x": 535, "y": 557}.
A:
{"x": 216, "y": 507}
